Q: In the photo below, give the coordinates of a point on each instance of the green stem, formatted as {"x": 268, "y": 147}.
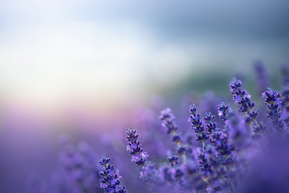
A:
{"x": 184, "y": 155}
{"x": 252, "y": 132}
{"x": 256, "y": 123}
{"x": 184, "y": 158}
{"x": 233, "y": 187}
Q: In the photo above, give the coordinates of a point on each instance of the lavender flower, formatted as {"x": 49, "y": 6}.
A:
{"x": 149, "y": 174}
{"x": 204, "y": 162}
{"x": 260, "y": 128}
{"x": 168, "y": 122}
{"x": 241, "y": 96}
{"x": 167, "y": 119}
{"x": 205, "y": 156}
{"x": 77, "y": 168}
{"x": 211, "y": 126}
{"x": 165, "y": 173}
{"x": 285, "y": 98}
{"x": 173, "y": 160}
{"x": 110, "y": 178}
{"x": 274, "y": 108}
{"x": 198, "y": 125}
{"x": 135, "y": 148}
{"x": 175, "y": 171}
{"x": 261, "y": 76}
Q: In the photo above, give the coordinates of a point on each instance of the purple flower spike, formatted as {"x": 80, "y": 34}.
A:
{"x": 274, "y": 108}
{"x": 223, "y": 111}
{"x": 241, "y": 96}
{"x": 285, "y": 98}
{"x": 260, "y": 128}
{"x": 198, "y": 124}
{"x": 167, "y": 118}
{"x": 134, "y": 148}
{"x": 173, "y": 159}
{"x": 168, "y": 121}
{"x": 110, "y": 178}
{"x": 246, "y": 105}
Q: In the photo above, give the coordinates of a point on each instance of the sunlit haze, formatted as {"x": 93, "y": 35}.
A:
{"x": 102, "y": 53}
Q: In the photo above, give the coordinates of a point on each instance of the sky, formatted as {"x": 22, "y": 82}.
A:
{"x": 108, "y": 53}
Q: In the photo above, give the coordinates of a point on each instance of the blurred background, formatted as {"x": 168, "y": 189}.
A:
{"x": 85, "y": 67}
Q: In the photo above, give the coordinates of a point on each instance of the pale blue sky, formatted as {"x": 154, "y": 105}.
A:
{"x": 54, "y": 49}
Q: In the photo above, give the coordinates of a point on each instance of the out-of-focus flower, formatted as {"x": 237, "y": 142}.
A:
{"x": 274, "y": 108}
{"x": 261, "y": 76}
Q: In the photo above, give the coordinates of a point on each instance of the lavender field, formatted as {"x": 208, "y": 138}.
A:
{"x": 144, "y": 96}
{"x": 219, "y": 144}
